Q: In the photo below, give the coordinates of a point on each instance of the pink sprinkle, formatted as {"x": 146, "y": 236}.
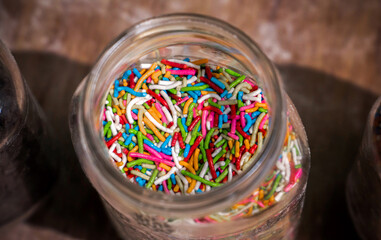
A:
{"x": 260, "y": 204}
{"x": 247, "y": 107}
{"x": 263, "y": 121}
{"x": 165, "y": 186}
{"x": 150, "y": 137}
{"x": 211, "y": 117}
{"x": 235, "y": 137}
{"x": 158, "y": 107}
{"x": 182, "y": 100}
{"x": 249, "y": 82}
{"x": 149, "y": 79}
{"x": 104, "y": 114}
{"x": 152, "y": 158}
{"x": 288, "y": 187}
{"x": 298, "y": 174}
{"x": 200, "y": 106}
{"x": 243, "y": 123}
{"x": 203, "y": 122}
{"x": 194, "y": 113}
{"x": 134, "y": 116}
{"x": 263, "y": 101}
{"x": 233, "y": 127}
{"x": 124, "y": 102}
{"x": 182, "y": 72}
{"x": 152, "y": 151}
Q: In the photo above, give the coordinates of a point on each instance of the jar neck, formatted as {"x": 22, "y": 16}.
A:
{"x": 177, "y": 35}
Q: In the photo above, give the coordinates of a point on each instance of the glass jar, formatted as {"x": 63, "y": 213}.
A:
{"x": 364, "y": 181}
{"x": 28, "y": 168}
{"x": 141, "y": 214}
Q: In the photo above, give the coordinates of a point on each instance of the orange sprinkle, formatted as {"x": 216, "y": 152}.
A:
{"x": 167, "y": 74}
{"x": 176, "y": 188}
{"x": 144, "y": 86}
{"x": 154, "y": 187}
{"x": 154, "y": 129}
{"x": 124, "y": 83}
{"x": 143, "y": 71}
{"x": 155, "y": 76}
{"x": 123, "y": 111}
{"x": 156, "y": 111}
{"x": 263, "y": 105}
{"x": 142, "y": 78}
{"x": 121, "y": 94}
{"x": 247, "y": 144}
{"x": 251, "y": 109}
{"x": 195, "y": 160}
{"x": 230, "y": 143}
{"x": 117, "y": 110}
{"x": 260, "y": 195}
{"x": 206, "y": 92}
{"x": 156, "y": 117}
{"x": 216, "y": 75}
{"x": 190, "y": 168}
{"x": 236, "y": 149}
{"x": 186, "y": 106}
{"x": 166, "y": 167}
{"x": 140, "y": 123}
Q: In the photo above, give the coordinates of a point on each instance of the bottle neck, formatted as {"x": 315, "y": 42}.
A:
{"x": 185, "y": 35}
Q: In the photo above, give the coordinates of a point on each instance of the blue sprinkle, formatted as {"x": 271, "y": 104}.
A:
{"x": 186, "y": 151}
{"x": 183, "y": 120}
{"x": 240, "y": 94}
{"x": 136, "y": 128}
{"x": 229, "y": 95}
{"x": 209, "y": 89}
{"x": 164, "y": 145}
{"x": 199, "y": 128}
{"x": 136, "y": 111}
{"x": 224, "y": 93}
{"x": 220, "y": 121}
{"x": 249, "y": 123}
{"x": 124, "y": 135}
{"x": 175, "y": 68}
{"x": 186, "y": 60}
{"x": 218, "y": 83}
{"x": 165, "y": 79}
{"x": 222, "y": 108}
{"x": 160, "y": 188}
{"x": 189, "y": 76}
{"x": 157, "y": 68}
{"x": 173, "y": 179}
{"x": 255, "y": 114}
{"x": 193, "y": 95}
{"x": 128, "y": 140}
{"x": 130, "y": 90}
{"x": 217, "y": 173}
{"x": 126, "y": 74}
{"x": 127, "y": 126}
{"x": 140, "y": 168}
{"x": 166, "y": 151}
{"x": 137, "y": 73}
{"x": 138, "y": 179}
{"x": 225, "y": 117}
{"x": 104, "y": 123}
{"x": 199, "y": 191}
{"x": 151, "y": 145}
{"x": 197, "y": 84}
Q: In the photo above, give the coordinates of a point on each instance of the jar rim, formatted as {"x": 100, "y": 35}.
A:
{"x": 165, "y": 204}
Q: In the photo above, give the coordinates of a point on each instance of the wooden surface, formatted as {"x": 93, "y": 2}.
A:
{"x": 328, "y": 52}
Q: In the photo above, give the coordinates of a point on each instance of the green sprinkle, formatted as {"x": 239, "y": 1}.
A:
{"x": 152, "y": 178}
{"x": 173, "y": 91}
{"x": 140, "y": 142}
{"x": 227, "y": 161}
{"x": 125, "y": 96}
{"x": 298, "y": 165}
{"x": 190, "y": 114}
{"x": 146, "y": 106}
{"x": 144, "y": 170}
{"x": 169, "y": 185}
{"x": 174, "y": 101}
{"x": 160, "y": 77}
{"x": 207, "y": 138}
{"x": 182, "y": 130}
{"x": 261, "y": 109}
{"x": 210, "y": 101}
{"x": 276, "y": 182}
{"x": 114, "y": 110}
{"x": 195, "y": 133}
{"x": 122, "y": 144}
{"x": 231, "y": 72}
{"x": 220, "y": 142}
{"x": 181, "y": 152}
{"x": 109, "y": 100}
{"x": 237, "y": 81}
{"x": 106, "y": 128}
{"x": 200, "y": 179}
{"x": 195, "y": 88}
{"x": 222, "y": 176}
{"x": 139, "y": 161}
{"x": 130, "y": 146}
{"x": 109, "y": 133}
{"x": 239, "y": 105}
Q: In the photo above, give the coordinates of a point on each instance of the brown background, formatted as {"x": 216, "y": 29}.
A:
{"x": 328, "y": 52}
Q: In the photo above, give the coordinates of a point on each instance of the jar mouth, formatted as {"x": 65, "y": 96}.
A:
{"x": 142, "y": 39}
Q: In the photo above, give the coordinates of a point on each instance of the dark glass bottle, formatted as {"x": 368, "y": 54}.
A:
{"x": 28, "y": 164}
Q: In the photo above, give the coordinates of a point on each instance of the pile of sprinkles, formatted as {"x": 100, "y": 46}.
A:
{"x": 185, "y": 127}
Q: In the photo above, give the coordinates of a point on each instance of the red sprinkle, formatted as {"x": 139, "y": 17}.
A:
{"x": 173, "y": 64}
{"x": 212, "y": 85}
{"x": 112, "y": 140}
{"x": 210, "y": 162}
